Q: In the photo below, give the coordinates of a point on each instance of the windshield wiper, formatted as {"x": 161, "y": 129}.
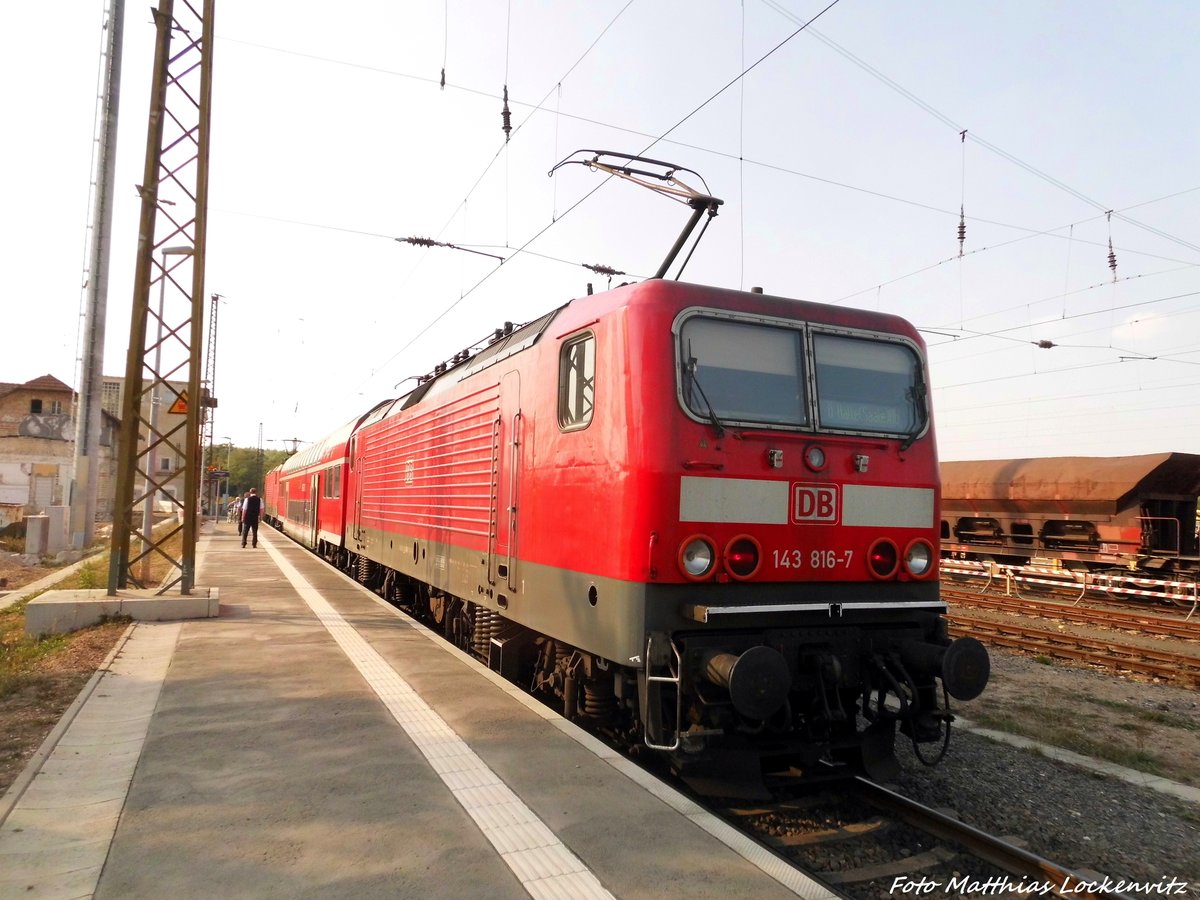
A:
{"x": 917, "y": 395}
{"x": 690, "y": 370}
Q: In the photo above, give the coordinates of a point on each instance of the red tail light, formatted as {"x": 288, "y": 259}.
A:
{"x": 883, "y": 558}
{"x": 742, "y": 557}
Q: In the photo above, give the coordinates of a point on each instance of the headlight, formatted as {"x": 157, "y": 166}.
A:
{"x": 697, "y": 557}
{"x": 814, "y": 458}
{"x": 918, "y": 559}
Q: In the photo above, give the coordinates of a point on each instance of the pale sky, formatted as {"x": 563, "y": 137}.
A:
{"x": 838, "y": 156}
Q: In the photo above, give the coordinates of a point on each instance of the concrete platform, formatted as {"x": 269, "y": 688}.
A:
{"x": 312, "y": 741}
{"x": 56, "y": 612}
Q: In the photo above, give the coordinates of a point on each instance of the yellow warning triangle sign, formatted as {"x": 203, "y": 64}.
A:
{"x": 179, "y": 407}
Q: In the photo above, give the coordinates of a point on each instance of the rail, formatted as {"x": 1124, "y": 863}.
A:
{"x": 1177, "y": 667}
{"x": 1144, "y": 622}
{"x": 1064, "y": 882}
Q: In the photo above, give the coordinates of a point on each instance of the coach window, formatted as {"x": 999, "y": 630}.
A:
{"x": 333, "y": 483}
{"x": 577, "y": 382}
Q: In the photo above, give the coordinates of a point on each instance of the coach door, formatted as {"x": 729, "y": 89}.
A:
{"x": 356, "y": 469}
{"x": 312, "y": 509}
{"x": 506, "y": 458}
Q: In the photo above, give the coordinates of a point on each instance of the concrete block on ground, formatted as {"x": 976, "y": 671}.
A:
{"x": 37, "y": 535}
{"x": 57, "y": 612}
{"x": 58, "y": 535}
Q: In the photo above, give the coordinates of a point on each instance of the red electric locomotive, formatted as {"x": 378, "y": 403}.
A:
{"x": 702, "y": 518}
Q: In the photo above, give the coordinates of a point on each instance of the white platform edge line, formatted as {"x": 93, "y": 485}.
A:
{"x": 357, "y": 650}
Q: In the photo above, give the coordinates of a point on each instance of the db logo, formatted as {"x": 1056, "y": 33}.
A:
{"x": 814, "y": 503}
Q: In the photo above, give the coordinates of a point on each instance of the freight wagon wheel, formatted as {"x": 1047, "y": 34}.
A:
{"x": 1119, "y": 590}
{"x": 1049, "y": 585}
{"x": 1120, "y": 587}
{"x": 1136, "y": 588}
{"x": 1154, "y": 590}
{"x": 1028, "y": 590}
{"x": 973, "y": 570}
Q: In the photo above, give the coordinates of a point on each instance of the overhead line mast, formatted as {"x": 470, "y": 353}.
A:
{"x": 85, "y": 488}
{"x": 209, "y": 404}
{"x": 172, "y": 233}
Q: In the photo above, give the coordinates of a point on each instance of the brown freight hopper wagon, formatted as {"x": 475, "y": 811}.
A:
{"x": 1095, "y": 514}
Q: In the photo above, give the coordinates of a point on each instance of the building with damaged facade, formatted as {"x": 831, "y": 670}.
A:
{"x": 37, "y": 448}
{"x": 37, "y": 444}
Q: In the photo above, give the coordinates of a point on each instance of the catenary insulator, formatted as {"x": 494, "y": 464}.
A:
{"x": 506, "y": 116}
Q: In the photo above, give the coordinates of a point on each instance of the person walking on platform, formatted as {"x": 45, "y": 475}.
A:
{"x": 238, "y": 504}
{"x": 251, "y": 510}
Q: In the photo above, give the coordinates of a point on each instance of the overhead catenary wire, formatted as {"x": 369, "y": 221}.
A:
{"x": 1030, "y": 232}
{"x": 988, "y": 145}
{"x": 975, "y": 354}
{"x": 1069, "y": 237}
{"x": 1096, "y": 312}
{"x": 593, "y": 191}
{"x": 1059, "y": 398}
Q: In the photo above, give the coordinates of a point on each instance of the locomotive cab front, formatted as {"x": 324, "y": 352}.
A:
{"x": 792, "y": 609}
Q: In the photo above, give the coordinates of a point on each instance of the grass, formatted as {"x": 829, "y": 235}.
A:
{"x": 19, "y": 653}
{"x": 23, "y": 656}
{"x": 88, "y": 576}
{"x": 1029, "y": 720}
{"x": 1153, "y": 716}
{"x": 1170, "y": 720}
{"x": 41, "y": 676}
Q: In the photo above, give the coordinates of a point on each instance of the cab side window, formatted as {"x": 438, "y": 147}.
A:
{"x": 577, "y": 382}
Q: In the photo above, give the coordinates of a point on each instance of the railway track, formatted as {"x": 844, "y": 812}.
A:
{"x": 1145, "y": 623}
{"x": 1128, "y": 588}
{"x": 865, "y": 840}
{"x": 1170, "y": 666}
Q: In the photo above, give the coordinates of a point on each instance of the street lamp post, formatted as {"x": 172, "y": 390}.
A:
{"x": 228, "y": 443}
{"x": 152, "y": 453}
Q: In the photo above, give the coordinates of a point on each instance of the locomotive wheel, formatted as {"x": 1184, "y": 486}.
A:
{"x": 879, "y": 752}
{"x": 437, "y": 609}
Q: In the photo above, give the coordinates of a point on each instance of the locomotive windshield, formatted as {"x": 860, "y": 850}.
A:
{"x": 744, "y": 373}
{"x": 866, "y": 385}
{"x": 739, "y": 372}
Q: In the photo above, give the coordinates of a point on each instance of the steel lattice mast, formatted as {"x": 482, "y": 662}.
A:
{"x": 170, "y": 258}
